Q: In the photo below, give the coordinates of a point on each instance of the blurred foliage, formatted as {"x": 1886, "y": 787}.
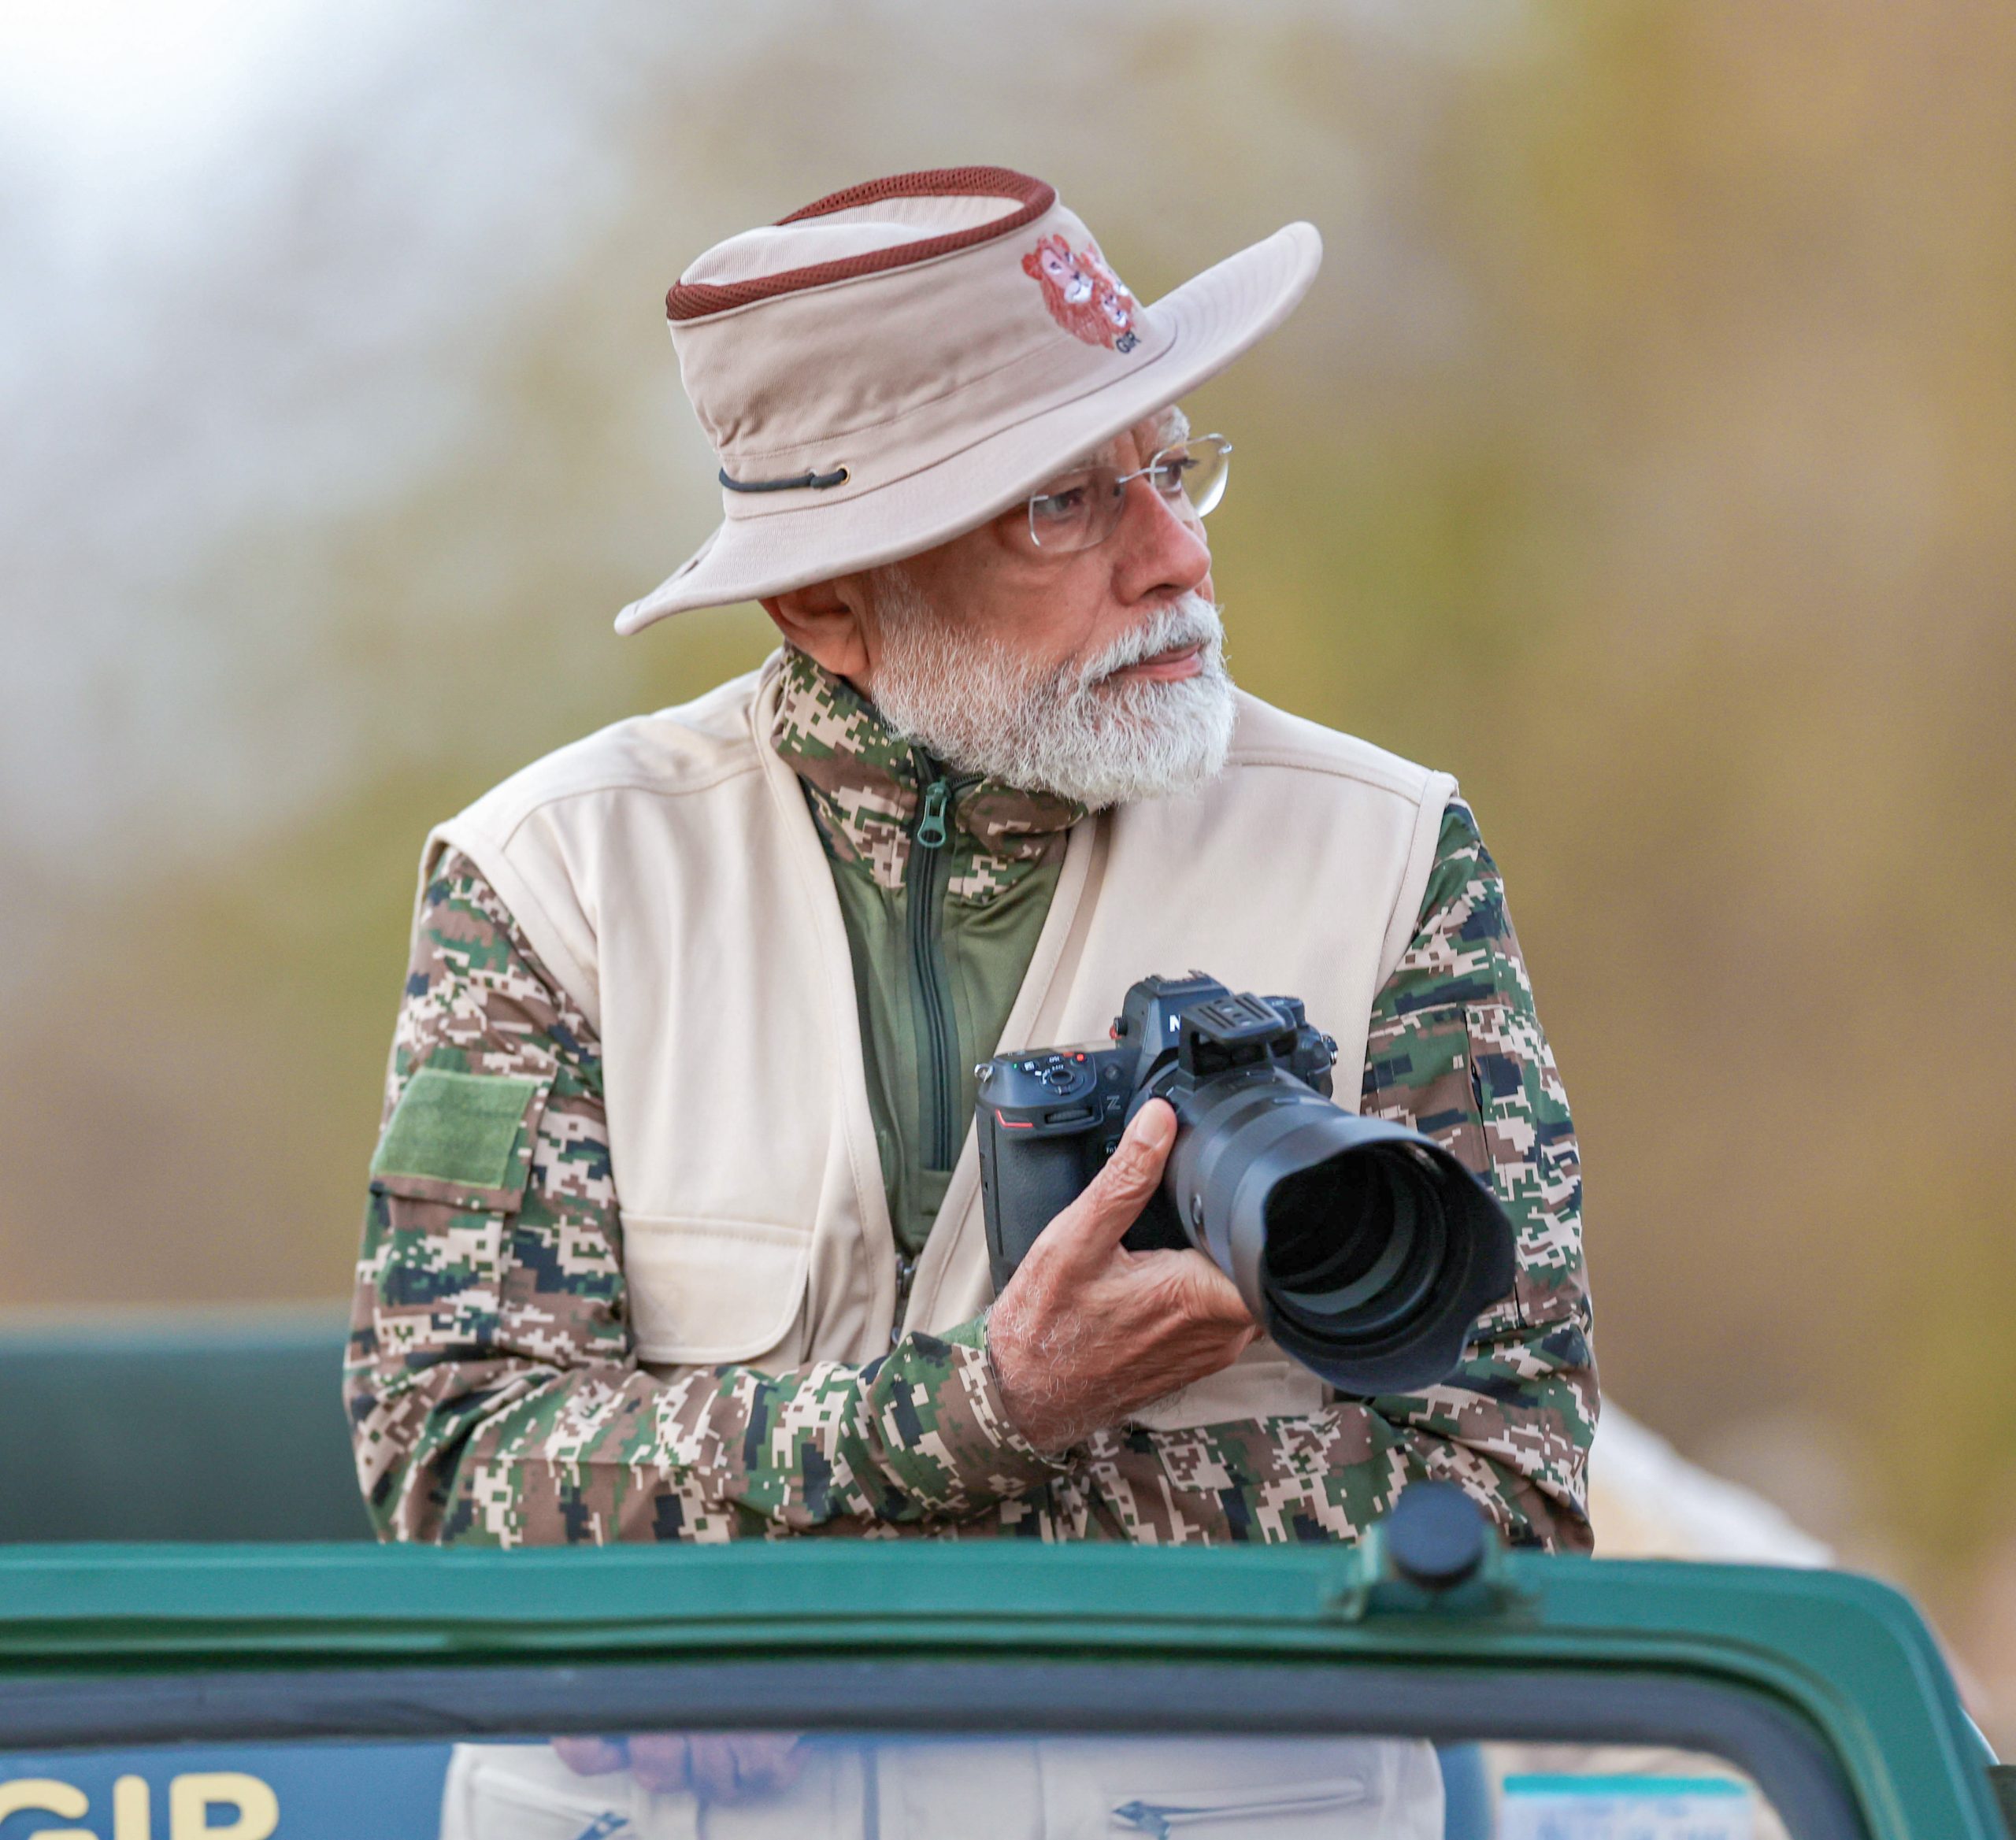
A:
{"x": 1643, "y": 456}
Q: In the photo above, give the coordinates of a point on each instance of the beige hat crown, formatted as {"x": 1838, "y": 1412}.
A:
{"x": 899, "y": 361}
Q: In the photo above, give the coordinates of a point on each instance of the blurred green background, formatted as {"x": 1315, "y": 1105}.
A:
{"x": 1644, "y": 456}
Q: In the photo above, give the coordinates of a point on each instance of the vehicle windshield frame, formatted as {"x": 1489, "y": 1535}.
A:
{"x": 980, "y": 1696}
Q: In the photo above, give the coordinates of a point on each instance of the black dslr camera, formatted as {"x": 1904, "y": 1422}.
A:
{"x": 1364, "y": 1248}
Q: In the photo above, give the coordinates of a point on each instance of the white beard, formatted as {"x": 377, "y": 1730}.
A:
{"x": 1066, "y": 729}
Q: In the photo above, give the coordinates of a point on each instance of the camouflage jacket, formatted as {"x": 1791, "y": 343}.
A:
{"x": 496, "y": 1396}
{"x": 982, "y": 892}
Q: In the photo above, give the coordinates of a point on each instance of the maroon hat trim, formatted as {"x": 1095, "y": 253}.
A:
{"x": 695, "y": 300}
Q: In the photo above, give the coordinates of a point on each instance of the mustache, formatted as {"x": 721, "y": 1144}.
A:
{"x": 1188, "y": 620}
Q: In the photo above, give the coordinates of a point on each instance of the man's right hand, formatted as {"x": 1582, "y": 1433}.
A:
{"x": 1088, "y": 1330}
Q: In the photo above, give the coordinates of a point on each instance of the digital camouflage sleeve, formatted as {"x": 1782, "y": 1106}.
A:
{"x": 495, "y": 1396}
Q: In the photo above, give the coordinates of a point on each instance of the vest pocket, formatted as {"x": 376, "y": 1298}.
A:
{"x": 704, "y": 1292}
{"x": 1263, "y": 1383}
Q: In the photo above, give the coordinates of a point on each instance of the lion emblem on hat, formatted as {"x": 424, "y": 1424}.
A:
{"x": 1083, "y": 295}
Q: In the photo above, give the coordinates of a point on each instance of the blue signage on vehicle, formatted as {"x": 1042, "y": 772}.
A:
{"x": 327, "y": 1791}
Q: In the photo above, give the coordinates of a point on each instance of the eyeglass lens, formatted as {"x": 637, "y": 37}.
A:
{"x": 1082, "y": 507}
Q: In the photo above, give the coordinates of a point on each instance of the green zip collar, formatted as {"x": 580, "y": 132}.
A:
{"x": 873, "y": 795}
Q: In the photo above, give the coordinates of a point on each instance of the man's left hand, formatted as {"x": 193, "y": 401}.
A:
{"x": 716, "y": 1766}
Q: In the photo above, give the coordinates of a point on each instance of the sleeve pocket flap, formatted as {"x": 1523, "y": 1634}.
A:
{"x": 703, "y": 1292}
{"x": 464, "y": 1139}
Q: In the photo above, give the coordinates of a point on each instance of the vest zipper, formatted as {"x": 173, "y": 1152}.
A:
{"x": 1235, "y": 1808}
{"x": 925, "y": 878}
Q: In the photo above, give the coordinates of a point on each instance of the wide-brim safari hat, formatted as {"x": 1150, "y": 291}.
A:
{"x": 900, "y": 361}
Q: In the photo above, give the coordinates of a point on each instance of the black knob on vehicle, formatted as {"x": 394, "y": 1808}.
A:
{"x": 1436, "y": 1536}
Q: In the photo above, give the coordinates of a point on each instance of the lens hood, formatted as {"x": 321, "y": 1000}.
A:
{"x": 1364, "y": 1248}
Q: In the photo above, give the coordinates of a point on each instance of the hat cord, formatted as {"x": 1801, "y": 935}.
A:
{"x": 818, "y": 481}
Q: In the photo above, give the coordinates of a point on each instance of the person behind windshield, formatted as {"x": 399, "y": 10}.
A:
{"x": 675, "y": 1230}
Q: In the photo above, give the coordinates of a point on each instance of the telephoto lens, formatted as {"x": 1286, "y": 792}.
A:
{"x": 1363, "y": 1248}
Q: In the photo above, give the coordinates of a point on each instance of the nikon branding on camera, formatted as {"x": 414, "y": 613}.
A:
{"x": 1364, "y": 1248}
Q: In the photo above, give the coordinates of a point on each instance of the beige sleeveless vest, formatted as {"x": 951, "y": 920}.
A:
{"x": 667, "y": 872}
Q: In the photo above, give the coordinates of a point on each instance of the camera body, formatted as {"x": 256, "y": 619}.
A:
{"x": 1363, "y": 1248}
{"x": 1048, "y": 1120}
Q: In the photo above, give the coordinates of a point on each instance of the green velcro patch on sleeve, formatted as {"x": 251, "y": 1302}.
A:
{"x": 458, "y": 1127}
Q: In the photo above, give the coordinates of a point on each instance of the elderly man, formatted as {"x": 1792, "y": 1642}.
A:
{"x": 675, "y": 1229}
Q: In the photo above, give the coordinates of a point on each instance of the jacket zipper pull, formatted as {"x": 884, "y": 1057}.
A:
{"x": 905, "y": 1277}
{"x": 930, "y": 831}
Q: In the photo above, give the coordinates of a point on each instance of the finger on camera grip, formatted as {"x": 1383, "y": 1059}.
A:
{"x": 1114, "y": 1199}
